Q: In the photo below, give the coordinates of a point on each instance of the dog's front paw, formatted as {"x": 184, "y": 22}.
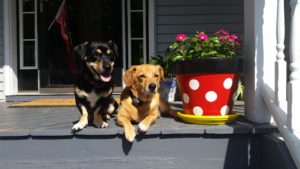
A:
{"x": 130, "y": 135}
{"x": 101, "y": 125}
{"x": 78, "y": 126}
{"x": 107, "y": 117}
{"x": 142, "y": 127}
{"x": 104, "y": 125}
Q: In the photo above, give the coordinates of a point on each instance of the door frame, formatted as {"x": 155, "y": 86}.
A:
{"x": 11, "y": 43}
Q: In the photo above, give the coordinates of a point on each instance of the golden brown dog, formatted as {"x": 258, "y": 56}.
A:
{"x": 140, "y": 100}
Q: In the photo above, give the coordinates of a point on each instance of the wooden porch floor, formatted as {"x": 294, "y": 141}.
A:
{"x": 58, "y": 121}
{"x": 42, "y": 138}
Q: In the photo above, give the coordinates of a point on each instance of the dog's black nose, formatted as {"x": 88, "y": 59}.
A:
{"x": 107, "y": 67}
{"x": 152, "y": 87}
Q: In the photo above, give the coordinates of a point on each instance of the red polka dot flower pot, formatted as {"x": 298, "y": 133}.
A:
{"x": 208, "y": 86}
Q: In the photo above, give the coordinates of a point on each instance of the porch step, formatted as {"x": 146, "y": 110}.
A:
{"x": 168, "y": 144}
{"x": 206, "y": 148}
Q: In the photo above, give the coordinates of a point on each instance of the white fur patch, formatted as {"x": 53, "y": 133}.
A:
{"x": 107, "y": 116}
{"x": 111, "y": 109}
{"x": 104, "y": 125}
{"x": 142, "y": 127}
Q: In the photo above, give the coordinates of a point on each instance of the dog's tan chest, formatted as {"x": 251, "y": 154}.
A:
{"x": 92, "y": 96}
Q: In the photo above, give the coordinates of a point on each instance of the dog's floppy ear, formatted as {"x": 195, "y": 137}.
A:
{"x": 129, "y": 75}
{"x": 79, "y": 50}
{"x": 113, "y": 46}
{"x": 79, "y": 54}
{"x": 161, "y": 72}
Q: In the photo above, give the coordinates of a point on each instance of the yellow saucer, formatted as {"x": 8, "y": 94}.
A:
{"x": 208, "y": 119}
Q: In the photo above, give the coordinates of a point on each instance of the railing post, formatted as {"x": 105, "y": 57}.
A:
{"x": 280, "y": 65}
{"x": 294, "y": 83}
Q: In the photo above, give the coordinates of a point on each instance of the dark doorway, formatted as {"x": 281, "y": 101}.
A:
{"x": 89, "y": 20}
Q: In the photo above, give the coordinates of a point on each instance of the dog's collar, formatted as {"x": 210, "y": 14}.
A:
{"x": 135, "y": 100}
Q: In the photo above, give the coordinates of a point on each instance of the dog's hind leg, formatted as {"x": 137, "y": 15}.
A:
{"x": 83, "y": 121}
{"x": 164, "y": 107}
{"x": 98, "y": 121}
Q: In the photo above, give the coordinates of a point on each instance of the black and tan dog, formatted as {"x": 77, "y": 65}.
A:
{"x": 94, "y": 87}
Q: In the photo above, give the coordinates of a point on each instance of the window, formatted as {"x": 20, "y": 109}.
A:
{"x": 28, "y": 35}
{"x": 136, "y": 16}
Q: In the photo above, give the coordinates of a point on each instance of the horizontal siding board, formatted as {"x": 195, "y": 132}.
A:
{"x": 199, "y": 2}
{"x": 198, "y": 27}
{"x": 162, "y": 47}
{"x": 200, "y": 10}
{"x": 197, "y": 19}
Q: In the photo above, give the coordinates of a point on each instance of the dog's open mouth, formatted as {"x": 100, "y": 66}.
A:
{"x": 105, "y": 77}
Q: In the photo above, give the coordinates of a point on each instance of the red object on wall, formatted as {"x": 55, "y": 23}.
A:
{"x": 208, "y": 94}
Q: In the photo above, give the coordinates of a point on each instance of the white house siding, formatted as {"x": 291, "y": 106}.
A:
{"x": 189, "y": 16}
{"x": 1, "y": 53}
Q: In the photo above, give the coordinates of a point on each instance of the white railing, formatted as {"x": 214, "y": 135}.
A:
{"x": 282, "y": 102}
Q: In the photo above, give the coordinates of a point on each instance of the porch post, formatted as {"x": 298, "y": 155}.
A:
{"x": 10, "y": 46}
{"x": 260, "y": 49}
{"x": 280, "y": 65}
{"x": 294, "y": 83}
{"x": 151, "y": 27}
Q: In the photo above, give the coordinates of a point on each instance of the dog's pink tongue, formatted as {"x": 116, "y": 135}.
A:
{"x": 105, "y": 78}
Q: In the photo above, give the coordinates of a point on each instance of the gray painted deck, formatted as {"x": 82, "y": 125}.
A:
{"x": 60, "y": 119}
{"x": 41, "y": 138}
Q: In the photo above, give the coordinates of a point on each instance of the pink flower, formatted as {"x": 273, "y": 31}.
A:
{"x": 230, "y": 39}
{"x": 222, "y": 31}
{"x": 237, "y": 43}
{"x": 234, "y": 36}
{"x": 223, "y": 37}
{"x": 202, "y": 36}
{"x": 180, "y": 37}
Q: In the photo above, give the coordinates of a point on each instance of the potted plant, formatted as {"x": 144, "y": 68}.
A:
{"x": 207, "y": 68}
{"x": 169, "y": 85}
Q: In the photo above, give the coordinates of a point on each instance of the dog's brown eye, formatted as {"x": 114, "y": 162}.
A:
{"x": 156, "y": 75}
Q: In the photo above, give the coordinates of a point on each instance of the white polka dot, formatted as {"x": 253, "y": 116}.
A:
{"x": 211, "y": 96}
{"x": 197, "y": 111}
{"x": 194, "y": 84}
{"x": 186, "y": 98}
{"x": 224, "y": 110}
{"x": 227, "y": 83}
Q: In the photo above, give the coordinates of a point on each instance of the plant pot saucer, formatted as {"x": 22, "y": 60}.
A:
{"x": 208, "y": 120}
